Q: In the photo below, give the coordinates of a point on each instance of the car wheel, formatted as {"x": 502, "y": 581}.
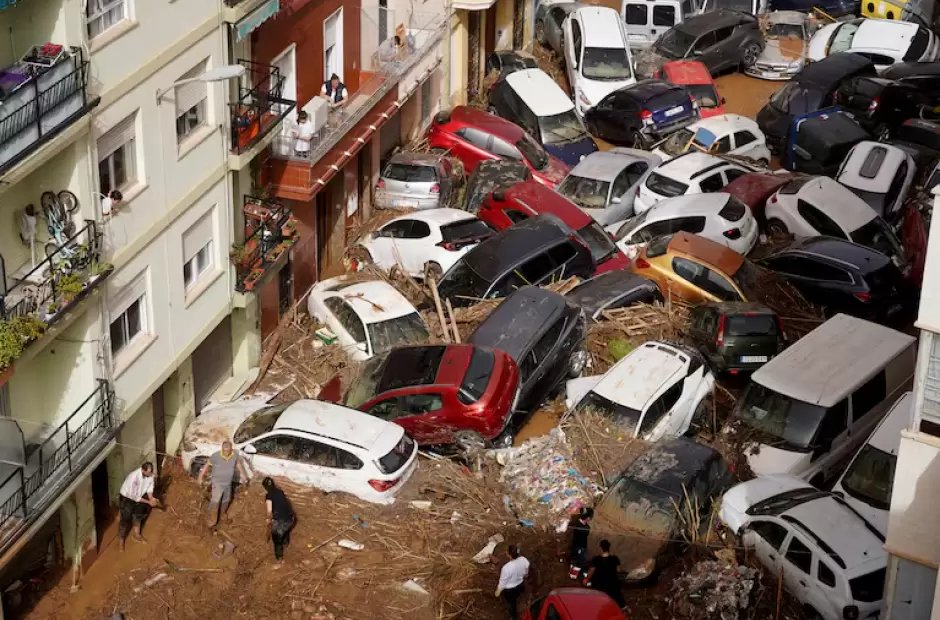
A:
{"x": 764, "y": 162}
{"x": 433, "y": 270}
{"x": 359, "y": 257}
{"x": 776, "y": 228}
{"x": 639, "y": 142}
{"x": 577, "y": 363}
{"x": 540, "y": 31}
{"x": 750, "y": 55}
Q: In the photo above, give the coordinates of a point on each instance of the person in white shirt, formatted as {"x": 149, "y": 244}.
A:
{"x": 512, "y": 579}
{"x": 303, "y": 133}
{"x": 136, "y": 501}
{"x": 110, "y": 202}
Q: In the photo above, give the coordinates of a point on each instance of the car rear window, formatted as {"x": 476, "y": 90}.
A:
{"x": 477, "y": 377}
{"x": 734, "y": 210}
{"x": 411, "y": 173}
{"x": 918, "y": 45}
{"x": 872, "y": 164}
{"x": 668, "y": 99}
{"x": 751, "y": 325}
{"x": 396, "y": 459}
{"x": 664, "y": 186}
{"x": 465, "y": 229}
{"x": 869, "y": 588}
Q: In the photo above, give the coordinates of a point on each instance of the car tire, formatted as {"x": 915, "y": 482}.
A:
{"x": 764, "y": 162}
{"x": 882, "y": 132}
{"x": 577, "y": 364}
{"x": 750, "y": 54}
{"x": 639, "y": 142}
{"x": 433, "y": 270}
{"x": 776, "y": 228}
{"x": 540, "y": 31}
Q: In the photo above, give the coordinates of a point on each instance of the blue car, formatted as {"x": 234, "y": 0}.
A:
{"x": 642, "y": 114}
{"x": 818, "y": 141}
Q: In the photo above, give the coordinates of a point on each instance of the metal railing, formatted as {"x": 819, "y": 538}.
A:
{"x": 44, "y": 111}
{"x": 57, "y": 460}
{"x": 38, "y": 289}
{"x": 260, "y": 106}
{"x": 265, "y": 223}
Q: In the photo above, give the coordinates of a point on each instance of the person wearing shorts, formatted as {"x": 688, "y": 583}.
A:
{"x": 135, "y": 502}
{"x": 223, "y": 465}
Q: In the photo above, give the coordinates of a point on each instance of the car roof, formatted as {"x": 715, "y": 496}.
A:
{"x": 646, "y": 89}
{"x": 908, "y": 69}
{"x": 887, "y": 435}
{"x": 794, "y": 18}
{"x": 544, "y": 200}
{"x": 419, "y": 159}
{"x": 333, "y": 421}
{"x": 828, "y": 72}
{"x": 687, "y": 205}
{"x": 690, "y": 164}
{"x": 822, "y": 367}
{"x": 490, "y": 258}
{"x": 670, "y": 464}
{"x": 440, "y": 217}
{"x": 539, "y": 91}
{"x": 375, "y": 301}
{"x": 601, "y": 27}
{"x": 712, "y": 20}
{"x": 723, "y": 258}
{"x": 893, "y": 157}
{"x": 838, "y": 202}
{"x": 606, "y": 165}
{"x": 842, "y": 529}
{"x": 517, "y": 322}
{"x": 884, "y": 34}
{"x": 593, "y": 293}
{"x": 485, "y": 121}
{"x": 863, "y": 258}
{"x": 724, "y": 124}
{"x": 641, "y": 374}
{"x": 687, "y": 72}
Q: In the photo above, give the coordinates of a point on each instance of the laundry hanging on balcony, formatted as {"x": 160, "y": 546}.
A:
{"x": 245, "y": 25}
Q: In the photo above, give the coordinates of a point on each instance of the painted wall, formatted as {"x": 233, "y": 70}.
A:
{"x": 913, "y": 530}
{"x": 929, "y": 313}
{"x": 30, "y": 23}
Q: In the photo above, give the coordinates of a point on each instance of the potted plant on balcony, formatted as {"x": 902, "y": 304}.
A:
{"x": 289, "y": 228}
{"x": 249, "y": 282}
{"x": 15, "y": 334}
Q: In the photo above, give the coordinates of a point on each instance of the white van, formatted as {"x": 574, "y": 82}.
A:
{"x": 647, "y": 19}
{"x": 866, "y": 484}
{"x": 813, "y": 406}
{"x": 597, "y": 56}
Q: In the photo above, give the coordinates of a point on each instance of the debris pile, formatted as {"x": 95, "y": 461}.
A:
{"x": 713, "y": 589}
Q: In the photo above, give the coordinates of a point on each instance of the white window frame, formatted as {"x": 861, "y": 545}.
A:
{"x": 136, "y": 291}
{"x": 125, "y": 134}
{"x": 337, "y": 46}
{"x": 99, "y": 11}
{"x": 191, "y": 101}
{"x": 199, "y": 258}
{"x": 198, "y": 266}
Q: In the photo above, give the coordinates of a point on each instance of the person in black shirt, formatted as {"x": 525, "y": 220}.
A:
{"x": 580, "y": 527}
{"x": 280, "y": 517}
{"x": 602, "y": 575}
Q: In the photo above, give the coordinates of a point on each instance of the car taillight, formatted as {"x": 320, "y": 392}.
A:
{"x": 641, "y": 263}
{"x": 448, "y": 245}
{"x": 646, "y": 116}
{"x": 435, "y": 188}
{"x": 382, "y": 485}
{"x": 720, "y": 337}
{"x": 873, "y": 105}
{"x": 783, "y": 334}
{"x": 380, "y": 184}
{"x": 863, "y": 296}
{"x": 732, "y": 233}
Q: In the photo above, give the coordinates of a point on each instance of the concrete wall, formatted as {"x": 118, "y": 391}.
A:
{"x": 928, "y": 316}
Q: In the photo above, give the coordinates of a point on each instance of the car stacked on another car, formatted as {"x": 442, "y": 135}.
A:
{"x": 641, "y": 114}
{"x": 880, "y": 174}
{"x": 549, "y": 19}
{"x": 730, "y": 134}
{"x": 736, "y": 337}
{"x": 415, "y": 181}
{"x": 884, "y": 41}
{"x": 491, "y": 175}
{"x": 604, "y": 184}
{"x": 690, "y": 173}
{"x": 786, "y": 37}
{"x": 695, "y": 78}
{"x": 611, "y": 290}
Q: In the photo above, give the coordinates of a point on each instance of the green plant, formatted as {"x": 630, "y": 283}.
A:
{"x": 15, "y": 334}
{"x": 237, "y": 254}
{"x": 98, "y": 269}
{"x": 69, "y": 287}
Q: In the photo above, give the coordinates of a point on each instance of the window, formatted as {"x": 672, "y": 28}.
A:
{"x": 732, "y": 173}
{"x": 198, "y": 255}
{"x": 200, "y": 263}
{"x": 128, "y": 325}
{"x": 548, "y": 341}
{"x": 397, "y": 230}
{"x": 100, "y": 15}
{"x": 897, "y": 184}
{"x": 825, "y": 575}
{"x": 387, "y": 409}
{"x": 475, "y": 137}
{"x": 333, "y": 44}
{"x": 417, "y": 404}
{"x": 660, "y": 407}
{"x": 706, "y": 279}
{"x": 275, "y": 446}
{"x": 627, "y": 178}
{"x": 191, "y": 102}
{"x": 833, "y": 424}
{"x": 535, "y": 268}
{"x": 426, "y": 99}
{"x": 866, "y": 397}
{"x": 743, "y": 137}
{"x": 773, "y": 533}
{"x": 502, "y": 148}
{"x": 117, "y": 157}
{"x": 419, "y": 230}
{"x": 516, "y": 216}
{"x": 723, "y": 145}
{"x": 664, "y": 15}
{"x": 576, "y": 37}
{"x": 704, "y": 42}
{"x": 799, "y": 555}
{"x": 819, "y": 220}
{"x": 713, "y": 183}
{"x": 322, "y": 455}
{"x": 562, "y": 253}
{"x": 635, "y": 14}
{"x": 347, "y": 318}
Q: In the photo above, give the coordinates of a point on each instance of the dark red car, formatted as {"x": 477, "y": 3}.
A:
{"x": 754, "y": 188}
{"x": 574, "y": 604}
{"x": 696, "y": 78}
{"x": 503, "y": 208}
{"x": 473, "y": 136}
{"x": 440, "y": 394}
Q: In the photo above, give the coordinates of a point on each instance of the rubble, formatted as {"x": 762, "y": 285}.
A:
{"x": 713, "y": 589}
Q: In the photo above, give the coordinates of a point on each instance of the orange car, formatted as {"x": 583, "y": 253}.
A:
{"x": 696, "y": 269}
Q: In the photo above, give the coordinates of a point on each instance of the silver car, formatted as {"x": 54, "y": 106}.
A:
{"x": 415, "y": 181}
{"x": 786, "y": 34}
{"x": 548, "y": 20}
{"x": 604, "y": 184}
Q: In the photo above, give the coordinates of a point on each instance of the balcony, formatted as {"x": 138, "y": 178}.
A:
{"x": 299, "y": 178}
{"x": 270, "y": 231}
{"x": 34, "y": 473}
{"x": 40, "y": 96}
{"x": 246, "y": 15}
{"x": 258, "y": 113}
{"x": 37, "y": 296}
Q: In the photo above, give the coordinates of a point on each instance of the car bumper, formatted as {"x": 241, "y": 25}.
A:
{"x": 399, "y": 201}
{"x": 772, "y": 73}
{"x": 388, "y": 497}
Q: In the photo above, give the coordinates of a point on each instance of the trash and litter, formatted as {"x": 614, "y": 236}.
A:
{"x": 413, "y": 586}
{"x": 484, "y": 555}
{"x": 352, "y": 545}
{"x": 713, "y": 589}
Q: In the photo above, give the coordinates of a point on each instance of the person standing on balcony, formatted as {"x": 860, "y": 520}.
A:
{"x": 334, "y": 91}
{"x": 136, "y": 501}
{"x": 303, "y": 134}
{"x": 224, "y": 464}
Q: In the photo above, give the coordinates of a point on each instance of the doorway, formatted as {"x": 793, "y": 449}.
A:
{"x": 285, "y": 288}
{"x": 159, "y": 427}
{"x": 333, "y": 45}
{"x": 286, "y": 63}
{"x": 212, "y": 363}
{"x": 105, "y": 512}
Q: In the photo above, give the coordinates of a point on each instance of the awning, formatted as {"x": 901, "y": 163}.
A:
{"x": 5, "y": 4}
{"x": 245, "y": 25}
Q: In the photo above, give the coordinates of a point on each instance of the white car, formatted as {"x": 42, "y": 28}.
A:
{"x": 655, "y": 391}
{"x": 832, "y": 560}
{"x": 425, "y": 243}
{"x": 883, "y": 41}
{"x": 691, "y": 173}
{"x": 597, "y": 55}
{"x": 866, "y": 484}
{"x": 366, "y": 317}
{"x": 880, "y": 174}
{"x": 810, "y": 206}
{"x": 729, "y": 134}
{"x": 719, "y": 216}
{"x": 309, "y": 442}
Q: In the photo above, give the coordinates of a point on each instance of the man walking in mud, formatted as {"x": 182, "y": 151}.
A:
{"x": 136, "y": 501}
{"x": 224, "y": 464}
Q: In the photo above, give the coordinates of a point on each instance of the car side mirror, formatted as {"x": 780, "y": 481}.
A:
{"x": 615, "y": 200}
{"x": 821, "y": 448}
{"x": 250, "y": 449}
{"x": 361, "y": 346}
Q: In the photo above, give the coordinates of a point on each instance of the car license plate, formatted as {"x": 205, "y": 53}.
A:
{"x": 771, "y": 74}
{"x": 749, "y": 359}
{"x": 405, "y": 204}
{"x": 674, "y": 111}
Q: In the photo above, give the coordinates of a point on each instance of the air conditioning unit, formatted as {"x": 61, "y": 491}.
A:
{"x": 319, "y": 111}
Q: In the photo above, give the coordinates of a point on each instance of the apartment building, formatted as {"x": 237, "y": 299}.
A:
{"x": 913, "y": 540}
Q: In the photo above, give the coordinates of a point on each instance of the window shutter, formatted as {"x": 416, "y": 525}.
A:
{"x": 198, "y": 235}
{"x": 190, "y": 94}
{"x": 116, "y": 137}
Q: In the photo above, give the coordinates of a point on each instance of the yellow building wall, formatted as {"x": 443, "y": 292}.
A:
{"x": 504, "y": 24}
{"x": 458, "y": 58}
{"x": 77, "y": 520}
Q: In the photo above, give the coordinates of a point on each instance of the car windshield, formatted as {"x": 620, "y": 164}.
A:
{"x": 533, "y": 152}
{"x": 678, "y": 143}
{"x": 564, "y": 127}
{"x": 785, "y": 31}
{"x": 791, "y": 421}
{"x": 462, "y": 280}
{"x": 640, "y": 508}
{"x": 878, "y": 236}
{"x": 869, "y": 588}
{"x": 407, "y": 329}
{"x": 606, "y": 63}
{"x": 410, "y": 173}
{"x": 842, "y": 38}
{"x": 664, "y": 186}
{"x": 258, "y": 423}
{"x": 674, "y": 43}
{"x": 624, "y": 416}
{"x": 785, "y": 97}
{"x": 870, "y": 476}
{"x": 366, "y": 382}
{"x": 705, "y": 95}
{"x": 396, "y": 459}
{"x": 477, "y": 377}
{"x": 585, "y": 192}
{"x": 598, "y": 241}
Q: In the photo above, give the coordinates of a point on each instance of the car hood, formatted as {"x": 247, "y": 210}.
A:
{"x": 764, "y": 459}
{"x": 820, "y": 41}
{"x": 782, "y": 51}
{"x": 217, "y": 424}
{"x": 649, "y": 61}
{"x": 595, "y": 90}
{"x": 739, "y": 498}
{"x": 576, "y": 389}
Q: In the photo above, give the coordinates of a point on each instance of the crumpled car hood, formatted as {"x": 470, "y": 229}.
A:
{"x": 649, "y": 61}
{"x": 782, "y": 51}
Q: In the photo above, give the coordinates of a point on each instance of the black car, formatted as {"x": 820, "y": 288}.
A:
{"x": 640, "y": 512}
{"x": 882, "y": 105}
{"x": 640, "y": 114}
{"x": 819, "y": 141}
{"x": 492, "y": 175}
{"x": 721, "y": 39}
{"x": 736, "y": 336}
{"x": 921, "y": 139}
{"x": 912, "y": 69}
{"x": 504, "y": 62}
{"x": 812, "y": 89}
{"x": 543, "y": 333}
{"x": 843, "y": 276}
{"x": 613, "y": 289}
{"x": 536, "y": 250}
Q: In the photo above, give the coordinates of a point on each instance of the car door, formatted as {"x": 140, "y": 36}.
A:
{"x": 425, "y": 413}
{"x": 712, "y": 183}
{"x": 824, "y": 589}
{"x": 637, "y": 17}
{"x": 572, "y": 42}
{"x": 864, "y": 415}
{"x": 343, "y": 321}
{"x": 270, "y": 454}
{"x": 412, "y": 247}
{"x": 706, "y": 50}
{"x": 659, "y": 420}
{"x": 472, "y": 147}
{"x": 819, "y": 223}
{"x": 766, "y": 537}
{"x": 551, "y": 364}
{"x": 325, "y": 466}
{"x": 664, "y": 14}
{"x": 554, "y": 31}
{"x": 382, "y": 245}
{"x": 832, "y": 434}
{"x": 621, "y": 192}
{"x": 797, "y": 566}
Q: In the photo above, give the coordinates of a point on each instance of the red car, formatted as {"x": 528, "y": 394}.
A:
{"x": 473, "y": 136}
{"x": 502, "y": 209}
{"x": 698, "y": 81}
{"x": 574, "y": 604}
{"x": 440, "y": 394}
{"x": 754, "y": 188}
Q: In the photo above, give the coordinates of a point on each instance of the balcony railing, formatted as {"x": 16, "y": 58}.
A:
{"x": 270, "y": 231}
{"x": 260, "y": 106}
{"x": 37, "y": 102}
{"x": 47, "y": 467}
